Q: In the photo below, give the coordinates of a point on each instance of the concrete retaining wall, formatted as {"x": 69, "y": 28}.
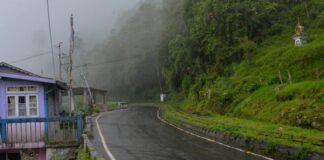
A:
{"x": 61, "y": 153}
{"x": 89, "y": 147}
{"x": 87, "y": 144}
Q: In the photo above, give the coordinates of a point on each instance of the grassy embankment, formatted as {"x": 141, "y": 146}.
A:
{"x": 273, "y": 134}
{"x": 249, "y": 104}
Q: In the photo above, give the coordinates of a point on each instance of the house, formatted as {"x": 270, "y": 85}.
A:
{"x": 90, "y": 96}
{"x": 30, "y": 122}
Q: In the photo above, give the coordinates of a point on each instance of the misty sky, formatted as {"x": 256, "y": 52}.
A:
{"x": 24, "y": 27}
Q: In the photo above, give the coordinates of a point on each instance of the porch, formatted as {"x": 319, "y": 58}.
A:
{"x": 28, "y": 133}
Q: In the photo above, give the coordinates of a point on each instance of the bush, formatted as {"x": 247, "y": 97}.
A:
{"x": 254, "y": 87}
{"x": 83, "y": 155}
{"x": 274, "y": 81}
{"x": 285, "y": 96}
{"x": 302, "y": 154}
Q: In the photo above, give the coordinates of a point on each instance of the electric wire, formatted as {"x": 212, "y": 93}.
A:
{"x": 31, "y": 57}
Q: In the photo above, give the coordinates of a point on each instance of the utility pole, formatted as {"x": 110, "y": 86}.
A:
{"x": 87, "y": 85}
{"x": 60, "y": 60}
{"x": 60, "y": 72}
{"x": 51, "y": 39}
{"x": 70, "y": 67}
{"x": 162, "y": 95}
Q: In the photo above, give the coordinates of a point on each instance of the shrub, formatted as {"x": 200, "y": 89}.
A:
{"x": 253, "y": 87}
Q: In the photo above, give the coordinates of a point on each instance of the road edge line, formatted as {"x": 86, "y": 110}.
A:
{"x": 103, "y": 141}
{"x": 211, "y": 140}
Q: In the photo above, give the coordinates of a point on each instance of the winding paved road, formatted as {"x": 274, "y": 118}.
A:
{"x": 137, "y": 134}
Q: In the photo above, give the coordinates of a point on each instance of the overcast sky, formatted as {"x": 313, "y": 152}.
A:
{"x": 24, "y": 27}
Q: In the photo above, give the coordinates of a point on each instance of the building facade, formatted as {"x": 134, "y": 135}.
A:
{"x": 30, "y": 114}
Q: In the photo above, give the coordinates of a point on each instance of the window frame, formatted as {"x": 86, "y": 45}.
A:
{"x": 27, "y": 106}
{"x": 18, "y": 86}
{"x": 18, "y": 105}
{"x": 15, "y": 104}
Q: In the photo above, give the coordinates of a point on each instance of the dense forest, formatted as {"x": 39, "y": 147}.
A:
{"x": 228, "y": 57}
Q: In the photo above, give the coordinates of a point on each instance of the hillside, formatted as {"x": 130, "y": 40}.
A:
{"x": 233, "y": 68}
{"x": 251, "y": 91}
{"x": 232, "y": 55}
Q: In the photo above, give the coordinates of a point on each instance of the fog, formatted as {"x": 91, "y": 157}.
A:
{"x": 127, "y": 62}
{"x": 124, "y": 32}
{"x": 24, "y": 28}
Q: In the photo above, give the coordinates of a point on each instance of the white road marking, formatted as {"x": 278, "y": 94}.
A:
{"x": 110, "y": 155}
{"x": 211, "y": 140}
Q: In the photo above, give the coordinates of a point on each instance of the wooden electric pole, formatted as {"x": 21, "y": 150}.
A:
{"x": 60, "y": 60}
{"x": 70, "y": 66}
{"x": 87, "y": 85}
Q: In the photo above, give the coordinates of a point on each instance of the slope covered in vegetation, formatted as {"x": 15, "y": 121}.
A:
{"x": 229, "y": 57}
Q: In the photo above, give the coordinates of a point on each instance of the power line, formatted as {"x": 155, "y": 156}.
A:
{"x": 31, "y": 57}
{"x": 51, "y": 39}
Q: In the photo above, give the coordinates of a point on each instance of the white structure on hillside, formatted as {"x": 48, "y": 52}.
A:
{"x": 300, "y": 37}
{"x": 162, "y": 97}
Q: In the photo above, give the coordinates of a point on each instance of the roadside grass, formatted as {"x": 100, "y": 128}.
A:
{"x": 112, "y": 105}
{"x": 274, "y": 134}
{"x": 147, "y": 104}
{"x": 83, "y": 155}
{"x": 298, "y": 104}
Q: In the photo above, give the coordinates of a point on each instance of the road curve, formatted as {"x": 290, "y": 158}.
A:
{"x": 137, "y": 134}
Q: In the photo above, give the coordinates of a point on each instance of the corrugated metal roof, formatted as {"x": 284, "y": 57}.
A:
{"x": 18, "y": 70}
{"x": 11, "y": 71}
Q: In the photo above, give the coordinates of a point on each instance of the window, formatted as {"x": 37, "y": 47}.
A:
{"x": 22, "y": 89}
{"x": 22, "y": 106}
{"x": 33, "y": 105}
{"x": 32, "y": 88}
{"x": 22, "y": 101}
{"x": 12, "y": 89}
{"x": 11, "y": 106}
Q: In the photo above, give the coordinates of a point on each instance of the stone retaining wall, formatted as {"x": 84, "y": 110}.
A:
{"x": 61, "y": 153}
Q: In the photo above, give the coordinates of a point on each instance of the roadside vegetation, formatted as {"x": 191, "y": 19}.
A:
{"x": 238, "y": 59}
{"x": 233, "y": 67}
{"x": 226, "y": 65}
{"x": 83, "y": 155}
{"x": 272, "y": 134}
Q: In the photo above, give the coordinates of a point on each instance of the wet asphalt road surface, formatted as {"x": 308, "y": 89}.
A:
{"x": 137, "y": 134}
